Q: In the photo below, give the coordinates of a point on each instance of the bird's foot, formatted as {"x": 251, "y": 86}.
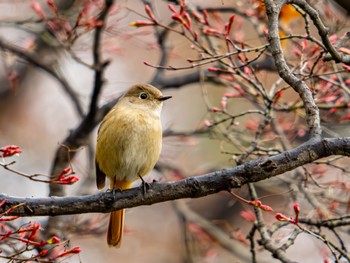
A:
{"x": 114, "y": 191}
{"x": 144, "y": 185}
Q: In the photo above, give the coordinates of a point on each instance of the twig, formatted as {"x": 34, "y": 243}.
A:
{"x": 278, "y": 253}
{"x": 322, "y": 31}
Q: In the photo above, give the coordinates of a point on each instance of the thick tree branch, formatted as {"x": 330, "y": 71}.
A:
{"x": 193, "y": 187}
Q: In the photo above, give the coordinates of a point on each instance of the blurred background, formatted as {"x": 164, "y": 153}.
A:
{"x": 37, "y": 114}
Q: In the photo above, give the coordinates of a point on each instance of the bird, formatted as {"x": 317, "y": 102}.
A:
{"x": 128, "y": 146}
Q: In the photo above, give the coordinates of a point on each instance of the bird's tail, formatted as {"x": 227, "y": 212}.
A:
{"x": 116, "y": 219}
{"x": 115, "y": 228}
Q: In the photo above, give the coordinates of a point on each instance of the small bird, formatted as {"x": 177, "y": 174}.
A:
{"x": 128, "y": 146}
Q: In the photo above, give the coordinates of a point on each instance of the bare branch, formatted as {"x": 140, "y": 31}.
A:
{"x": 311, "y": 109}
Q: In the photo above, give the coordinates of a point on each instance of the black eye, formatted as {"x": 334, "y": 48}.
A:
{"x": 143, "y": 96}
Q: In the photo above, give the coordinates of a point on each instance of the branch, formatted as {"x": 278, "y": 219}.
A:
{"x": 175, "y": 82}
{"x": 311, "y": 110}
{"x": 193, "y": 187}
{"x": 98, "y": 63}
{"x": 277, "y": 252}
{"x": 322, "y": 31}
{"x": 329, "y": 223}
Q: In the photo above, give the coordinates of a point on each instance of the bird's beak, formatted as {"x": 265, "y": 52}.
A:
{"x": 162, "y": 98}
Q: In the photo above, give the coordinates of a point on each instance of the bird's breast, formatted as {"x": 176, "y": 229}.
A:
{"x": 129, "y": 143}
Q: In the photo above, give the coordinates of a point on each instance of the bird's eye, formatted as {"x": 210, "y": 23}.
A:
{"x": 143, "y": 96}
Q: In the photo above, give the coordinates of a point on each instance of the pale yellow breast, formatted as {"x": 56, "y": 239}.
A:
{"x": 129, "y": 143}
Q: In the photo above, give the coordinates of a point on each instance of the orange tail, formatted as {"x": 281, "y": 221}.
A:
{"x": 115, "y": 228}
{"x": 116, "y": 219}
